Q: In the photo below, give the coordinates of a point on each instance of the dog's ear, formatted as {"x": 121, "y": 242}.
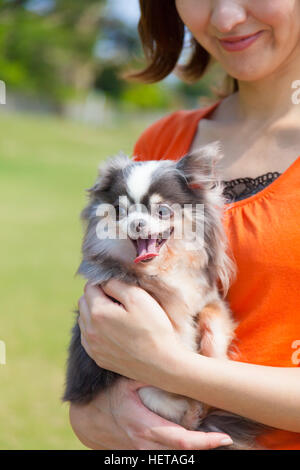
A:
{"x": 199, "y": 166}
{"x": 107, "y": 171}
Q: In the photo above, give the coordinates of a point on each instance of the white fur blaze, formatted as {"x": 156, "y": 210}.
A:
{"x": 139, "y": 179}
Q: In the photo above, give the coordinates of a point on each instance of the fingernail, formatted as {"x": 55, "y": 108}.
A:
{"x": 226, "y": 442}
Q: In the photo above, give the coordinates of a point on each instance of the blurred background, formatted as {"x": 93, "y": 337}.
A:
{"x": 64, "y": 108}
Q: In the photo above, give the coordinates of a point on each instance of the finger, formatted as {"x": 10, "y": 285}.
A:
{"x": 96, "y": 298}
{"x": 120, "y": 291}
{"x": 80, "y": 301}
{"x": 84, "y": 314}
{"x": 135, "y": 385}
{"x": 179, "y": 438}
{"x": 151, "y": 445}
{"x": 85, "y": 345}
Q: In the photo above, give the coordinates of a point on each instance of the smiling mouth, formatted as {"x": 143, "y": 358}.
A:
{"x": 148, "y": 248}
{"x": 239, "y": 43}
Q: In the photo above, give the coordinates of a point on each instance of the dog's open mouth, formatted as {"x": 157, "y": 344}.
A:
{"x": 148, "y": 248}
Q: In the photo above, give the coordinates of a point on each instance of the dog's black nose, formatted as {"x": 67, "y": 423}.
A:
{"x": 138, "y": 225}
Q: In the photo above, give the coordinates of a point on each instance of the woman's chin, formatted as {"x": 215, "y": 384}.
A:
{"x": 250, "y": 72}
{"x": 252, "y": 68}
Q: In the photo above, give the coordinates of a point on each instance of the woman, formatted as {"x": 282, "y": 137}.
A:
{"x": 258, "y": 44}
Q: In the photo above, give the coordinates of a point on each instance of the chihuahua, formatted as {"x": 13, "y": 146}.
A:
{"x": 158, "y": 225}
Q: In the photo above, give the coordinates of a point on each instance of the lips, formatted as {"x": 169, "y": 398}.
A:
{"x": 148, "y": 248}
{"x": 239, "y": 43}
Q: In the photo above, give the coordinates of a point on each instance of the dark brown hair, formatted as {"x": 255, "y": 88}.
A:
{"x": 162, "y": 34}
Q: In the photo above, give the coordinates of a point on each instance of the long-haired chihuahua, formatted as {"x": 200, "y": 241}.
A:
{"x": 158, "y": 225}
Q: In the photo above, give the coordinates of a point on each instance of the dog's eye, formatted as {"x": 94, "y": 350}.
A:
{"x": 164, "y": 211}
{"x": 121, "y": 212}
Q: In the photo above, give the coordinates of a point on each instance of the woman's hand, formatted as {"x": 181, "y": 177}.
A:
{"x": 135, "y": 339}
{"x": 117, "y": 420}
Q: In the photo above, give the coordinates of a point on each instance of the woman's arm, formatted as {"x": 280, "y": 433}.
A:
{"x": 137, "y": 340}
{"x": 269, "y": 395}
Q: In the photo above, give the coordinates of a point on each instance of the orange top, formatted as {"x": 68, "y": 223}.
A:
{"x": 264, "y": 237}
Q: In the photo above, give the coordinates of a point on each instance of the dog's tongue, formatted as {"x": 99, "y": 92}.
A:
{"x": 146, "y": 249}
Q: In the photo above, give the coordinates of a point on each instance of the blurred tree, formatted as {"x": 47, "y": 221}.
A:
{"x": 109, "y": 81}
{"x": 46, "y": 47}
{"x": 140, "y": 96}
{"x": 117, "y": 47}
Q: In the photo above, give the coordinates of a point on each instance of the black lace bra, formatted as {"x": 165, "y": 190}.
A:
{"x": 242, "y": 188}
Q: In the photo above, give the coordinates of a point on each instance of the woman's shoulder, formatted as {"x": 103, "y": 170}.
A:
{"x": 170, "y": 136}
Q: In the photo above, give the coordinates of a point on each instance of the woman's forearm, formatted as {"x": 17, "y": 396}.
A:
{"x": 269, "y": 395}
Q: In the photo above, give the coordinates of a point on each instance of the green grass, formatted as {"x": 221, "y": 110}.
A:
{"x": 45, "y": 165}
